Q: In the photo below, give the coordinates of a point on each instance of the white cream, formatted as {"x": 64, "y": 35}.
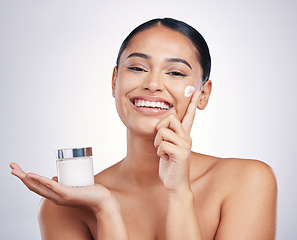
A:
{"x": 189, "y": 90}
{"x": 76, "y": 171}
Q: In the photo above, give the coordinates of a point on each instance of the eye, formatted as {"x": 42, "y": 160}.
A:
{"x": 175, "y": 73}
{"x": 136, "y": 69}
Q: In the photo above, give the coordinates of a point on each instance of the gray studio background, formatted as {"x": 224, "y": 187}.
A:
{"x": 55, "y": 90}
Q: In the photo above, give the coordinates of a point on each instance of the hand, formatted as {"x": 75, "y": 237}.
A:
{"x": 94, "y": 197}
{"x": 173, "y": 143}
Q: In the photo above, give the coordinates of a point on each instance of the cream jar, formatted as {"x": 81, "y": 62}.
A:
{"x": 75, "y": 166}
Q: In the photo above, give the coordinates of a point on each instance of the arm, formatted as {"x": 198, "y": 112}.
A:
{"x": 97, "y": 198}
{"x": 61, "y": 222}
{"x": 173, "y": 145}
{"x": 182, "y": 221}
{"x": 110, "y": 224}
{"x": 249, "y": 210}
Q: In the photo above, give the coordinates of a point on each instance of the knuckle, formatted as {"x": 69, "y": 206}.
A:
{"x": 162, "y": 123}
{"x": 161, "y": 148}
{"x": 162, "y": 131}
{"x": 171, "y": 116}
{"x": 158, "y": 126}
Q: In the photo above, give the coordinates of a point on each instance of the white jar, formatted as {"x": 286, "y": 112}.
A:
{"x": 75, "y": 166}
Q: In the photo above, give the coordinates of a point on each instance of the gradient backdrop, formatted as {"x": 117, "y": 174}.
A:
{"x": 55, "y": 86}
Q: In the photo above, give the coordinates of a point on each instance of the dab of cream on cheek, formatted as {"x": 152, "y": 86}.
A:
{"x": 75, "y": 167}
{"x": 189, "y": 90}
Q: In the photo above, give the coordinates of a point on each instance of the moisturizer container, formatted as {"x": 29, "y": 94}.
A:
{"x": 75, "y": 166}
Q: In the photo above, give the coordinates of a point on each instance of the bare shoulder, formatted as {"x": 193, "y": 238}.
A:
{"x": 109, "y": 176}
{"x": 252, "y": 174}
{"x": 61, "y": 222}
{"x": 248, "y": 194}
{"x": 235, "y": 171}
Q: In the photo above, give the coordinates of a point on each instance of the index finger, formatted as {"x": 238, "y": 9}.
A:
{"x": 188, "y": 119}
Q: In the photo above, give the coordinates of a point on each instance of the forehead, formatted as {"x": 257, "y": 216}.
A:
{"x": 162, "y": 41}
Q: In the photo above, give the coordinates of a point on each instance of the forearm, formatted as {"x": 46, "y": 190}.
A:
{"x": 182, "y": 222}
{"x": 110, "y": 224}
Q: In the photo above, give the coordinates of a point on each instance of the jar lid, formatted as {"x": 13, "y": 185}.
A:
{"x": 73, "y": 152}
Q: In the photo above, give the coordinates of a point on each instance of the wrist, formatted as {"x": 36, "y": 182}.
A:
{"x": 180, "y": 199}
{"x": 109, "y": 205}
{"x": 110, "y": 224}
{"x": 180, "y": 195}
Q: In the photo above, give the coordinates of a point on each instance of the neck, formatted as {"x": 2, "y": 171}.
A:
{"x": 141, "y": 166}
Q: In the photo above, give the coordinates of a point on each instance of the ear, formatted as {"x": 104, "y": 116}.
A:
{"x": 114, "y": 78}
{"x": 205, "y": 94}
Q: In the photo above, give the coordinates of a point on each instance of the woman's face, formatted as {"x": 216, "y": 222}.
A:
{"x": 153, "y": 72}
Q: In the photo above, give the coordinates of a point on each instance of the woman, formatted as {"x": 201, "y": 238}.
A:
{"x": 161, "y": 190}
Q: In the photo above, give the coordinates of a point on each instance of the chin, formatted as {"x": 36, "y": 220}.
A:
{"x": 144, "y": 127}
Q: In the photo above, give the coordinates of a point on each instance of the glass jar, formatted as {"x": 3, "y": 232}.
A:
{"x": 75, "y": 166}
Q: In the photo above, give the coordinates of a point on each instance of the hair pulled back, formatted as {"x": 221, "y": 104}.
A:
{"x": 191, "y": 33}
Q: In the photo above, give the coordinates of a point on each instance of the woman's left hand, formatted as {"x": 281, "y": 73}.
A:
{"x": 173, "y": 143}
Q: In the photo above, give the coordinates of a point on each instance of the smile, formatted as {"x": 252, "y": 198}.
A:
{"x": 148, "y": 104}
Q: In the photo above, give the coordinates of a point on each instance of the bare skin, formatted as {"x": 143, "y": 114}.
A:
{"x": 161, "y": 190}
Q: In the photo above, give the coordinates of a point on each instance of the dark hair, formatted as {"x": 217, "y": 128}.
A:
{"x": 196, "y": 38}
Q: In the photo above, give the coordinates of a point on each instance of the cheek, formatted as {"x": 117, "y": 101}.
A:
{"x": 127, "y": 82}
{"x": 123, "y": 88}
{"x": 181, "y": 101}
{"x": 182, "y": 107}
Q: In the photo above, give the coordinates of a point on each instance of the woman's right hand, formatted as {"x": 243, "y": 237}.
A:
{"x": 110, "y": 224}
{"x": 95, "y": 197}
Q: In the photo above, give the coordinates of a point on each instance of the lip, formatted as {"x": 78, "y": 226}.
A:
{"x": 148, "y": 110}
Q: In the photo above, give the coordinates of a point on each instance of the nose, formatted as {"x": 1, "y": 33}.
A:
{"x": 153, "y": 82}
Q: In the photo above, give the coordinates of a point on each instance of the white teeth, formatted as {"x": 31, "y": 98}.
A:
{"x": 142, "y": 103}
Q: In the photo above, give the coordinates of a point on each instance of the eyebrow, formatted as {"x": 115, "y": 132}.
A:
{"x": 138, "y": 54}
{"x": 179, "y": 60}
{"x": 145, "y": 56}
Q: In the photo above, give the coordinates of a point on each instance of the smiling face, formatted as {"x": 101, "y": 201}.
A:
{"x": 153, "y": 72}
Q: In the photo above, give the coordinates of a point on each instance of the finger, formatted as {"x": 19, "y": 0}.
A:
{"x": 58, "y": 192}
{"x": 174, "y": 153}
{"x": 51, "y": 184}
{"x": 14, "y": 165}
{"x": 17, "y": 171}
{"x": 172, "y": 123}
{"x": 165, "y": 134}
{"x": 31, "y": 180}
{"x": 188, "y": 119}
{"x": 39, "y": 188}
